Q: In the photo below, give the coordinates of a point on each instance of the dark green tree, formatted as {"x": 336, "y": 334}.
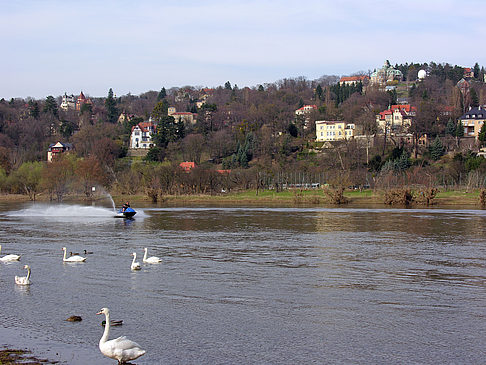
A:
{"x": 477, "y": 70}
{"x": 50, "y": 106}
{"x": 160, "y": 110}
{"x": 111, "y": 110}
{"x": 436, "y": 149}
{"x": 34, "y": 111}
{"x": 319, "y": 92}
{"x": 450, "y": 128}
{"x": 166, "y": 131}
{"x": 482, "y": 134}
{"x": 459, "y": 129}
{"x": 260, "y": 88}
{"x": 474, "y": 98}
{"x": 227, "y": 85}
{"x": 162, "y": 94}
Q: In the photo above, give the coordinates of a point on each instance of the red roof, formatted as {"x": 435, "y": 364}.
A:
{"x": 307, "y": 107}
{"x": 145, "y": 126}
{"x": 188, "y": 165}
{"x": 353, "y": 78}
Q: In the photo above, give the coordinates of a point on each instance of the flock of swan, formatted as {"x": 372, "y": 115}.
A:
{"x": 121, "y": 348}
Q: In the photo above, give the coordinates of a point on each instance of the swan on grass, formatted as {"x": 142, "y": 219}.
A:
{"x": 152, "y": 259}
{"x": 121, "y": 348}
{"x": 135, "y": 265}
{"x": 75, "y": 258}
{"x": 23, "y": 280}
{"x": 10, "y": 257}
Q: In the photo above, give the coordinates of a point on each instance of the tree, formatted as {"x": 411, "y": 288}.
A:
{"x": 482, "y": 134}
{"x": 160, "y": 111}
{"x": 111, "y": 110}
{"x": 451, "y": 128}
{"x": 227, "y": 85}
{"x": 459, "y": 130}
{"x": 162, "y": 94}
{"x": 34, "y": 109}
{"x": 50, "y": 106}
{"x": 477, "y": 70}
{"x": 474, "y": 98}
{"x": 166, "y": 131}
{"x": 89, "y": 173}
{"x": 28, "y": 178}
{"x": 436, "y": 149}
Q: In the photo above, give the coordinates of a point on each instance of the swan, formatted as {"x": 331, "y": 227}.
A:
{"x": 23, "y": 280}
{"x": 135, "y": 265}
{"x": 75, "y": 258}
{"x": 121, "y": 348}
{"x": 11, "y": 257}
{"x": 152, "y": 259}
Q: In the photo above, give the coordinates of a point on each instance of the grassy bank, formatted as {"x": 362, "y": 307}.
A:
{"x": 270, "y": 197}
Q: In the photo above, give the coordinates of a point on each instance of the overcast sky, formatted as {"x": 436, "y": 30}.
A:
{"x": 52, "y": 47}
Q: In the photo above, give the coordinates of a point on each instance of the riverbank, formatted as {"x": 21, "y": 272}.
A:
{"x": 364, "y": 198}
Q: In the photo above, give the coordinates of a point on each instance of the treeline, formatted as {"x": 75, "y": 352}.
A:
{"x": 250, "y": 131}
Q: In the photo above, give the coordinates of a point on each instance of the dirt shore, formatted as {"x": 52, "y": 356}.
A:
{"x": 15, "y": 356}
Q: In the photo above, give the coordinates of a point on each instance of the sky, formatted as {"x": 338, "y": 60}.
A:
{"x": 53, "y": 47}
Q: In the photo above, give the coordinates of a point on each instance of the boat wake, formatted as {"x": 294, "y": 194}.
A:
{"x": 63, "y": 211}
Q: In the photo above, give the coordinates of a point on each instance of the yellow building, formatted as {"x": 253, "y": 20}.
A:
{"x": 333, "y": 130}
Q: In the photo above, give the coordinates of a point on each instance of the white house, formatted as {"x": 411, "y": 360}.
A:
{"x": 142, "y": 134}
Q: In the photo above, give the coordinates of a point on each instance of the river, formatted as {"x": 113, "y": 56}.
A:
{"x": 249, "y": 285}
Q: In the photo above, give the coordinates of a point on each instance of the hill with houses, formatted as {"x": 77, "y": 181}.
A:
{"x": 414, "y": 124}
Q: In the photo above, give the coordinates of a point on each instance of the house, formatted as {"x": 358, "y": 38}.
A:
{"x": 396, "y": 119}
{"x": 306, "y": 109}
{"x": 468, "y": 73}
{"x": 386, "y": 73}
{"x": 354, "y": 80}
{"x": 68, "y": 102}
{"x": 473, "y": 120}
{"x": 334, "y": 130}
{"x": 187, "y": 166}
{"x": 186, "y": 117}
{"x": 142, "y": 135}
{"x": 56, "y": 149}
{"x": 73, "y": 102}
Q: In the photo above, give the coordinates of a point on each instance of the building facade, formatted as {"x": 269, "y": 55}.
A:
{"x": 327, "y": 131}
{"x": 142, "y": 135}
{"x": 473, "y": 121}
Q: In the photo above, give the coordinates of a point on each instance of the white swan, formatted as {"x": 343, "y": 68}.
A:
{"x": 121, "y": 348}
{"x": 75, "y": 258}
{"x": 152, "y": 259}
{"x": 135, "y": 265}
{"x": 10, "y": 257}
{"x": 23, "y": 280}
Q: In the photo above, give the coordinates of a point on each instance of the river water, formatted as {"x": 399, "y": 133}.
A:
{"x": 249, "y": 285}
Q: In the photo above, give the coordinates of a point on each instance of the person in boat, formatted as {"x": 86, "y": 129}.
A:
{"x": 125, "y": 206}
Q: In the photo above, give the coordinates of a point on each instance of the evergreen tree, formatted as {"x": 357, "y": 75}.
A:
{"x": 477, "y": 70}
{"x": 482, "y": 134}
{"x": 474, "y": 98}
{"x": 450, "y": 128}
{"x": 459, "y": 129}
{"x": 436, "y": 149}
{"x": 319, "y": 92}
{"x": 110, "y": 105}
{"x": 34, "y": 109}
{"x": 403, "y": 163}
{"x": 166, "y": 131}
{"x": 162, "y": 94}
{"x": 50, "y": 106}
{"x": 160, "y": 110}
{"x": 227, "y": 85}
{"x": 260, "y": 88}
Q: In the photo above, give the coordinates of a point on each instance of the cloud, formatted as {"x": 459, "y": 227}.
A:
{"x": 64, "y": 46}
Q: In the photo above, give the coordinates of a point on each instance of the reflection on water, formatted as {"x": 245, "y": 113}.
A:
{"x": 250, "y": 285}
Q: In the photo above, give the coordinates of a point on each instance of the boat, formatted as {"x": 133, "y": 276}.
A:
{"x": 127, "y": 213}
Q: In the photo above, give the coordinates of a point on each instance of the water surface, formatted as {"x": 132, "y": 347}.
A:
{"x": 250, "y": 285}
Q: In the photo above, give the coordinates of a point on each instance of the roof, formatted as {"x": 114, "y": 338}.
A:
{"x": 354, "y": 78}
{"x": 475, "y": 113}
{"x": 145, "y": 126}
{"x": 308, "y": 107}
{"x": 182, "y": 113}
{"x": 187, "y": 165}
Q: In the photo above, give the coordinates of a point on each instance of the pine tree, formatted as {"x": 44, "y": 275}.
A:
{"x": 436, "y": 149}
{"x": 162, "y": 94}
{"x": 110, "y": 105}
{"x": 50, "y": 106}
{"x": 459, "y": 129}
{"x": 451, "y": 128}
{"x": 482, "y": 134}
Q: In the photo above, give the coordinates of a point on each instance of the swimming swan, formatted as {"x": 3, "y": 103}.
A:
{"x": 121, "y": 348}
{"x": 135, "y": 265}
{"x": 23, "y": 280}
{"x": 75, "y": 258}
{"x": 152, "y": 259}
{"x": 8, "y": 258}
